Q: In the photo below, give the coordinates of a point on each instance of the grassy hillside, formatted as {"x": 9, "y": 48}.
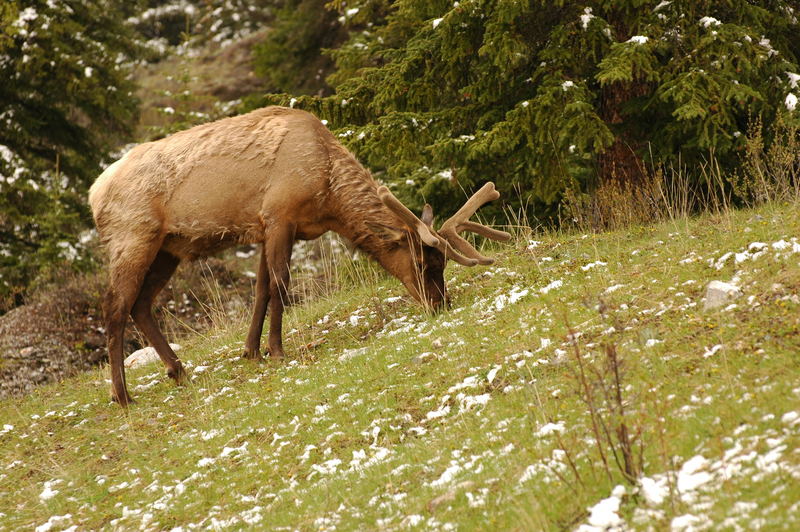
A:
{"x": 577, "y": 383}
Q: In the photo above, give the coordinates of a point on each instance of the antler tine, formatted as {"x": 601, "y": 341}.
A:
{"x": 396, "y": 206}
{"x": 466, "y": 248}
{"x": 424, "y": 227}
{"x": 486, "y": 194}
{"x": 460, "y": 222}
{"x": 484, "y": 231}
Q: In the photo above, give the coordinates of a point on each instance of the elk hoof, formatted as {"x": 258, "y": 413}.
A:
{"x": 179, "y": 375}
{"x": 123, "y": 400}
{"x": 276, "y": 353}
{"x": 252, "y": 354}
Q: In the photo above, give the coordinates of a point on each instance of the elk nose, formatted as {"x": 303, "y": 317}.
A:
{"x": 439, "y": 305}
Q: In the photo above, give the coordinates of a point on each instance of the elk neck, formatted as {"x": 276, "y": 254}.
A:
{"x": 357, "y": 206}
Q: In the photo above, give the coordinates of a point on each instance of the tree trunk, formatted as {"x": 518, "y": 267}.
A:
{"x": 621, "y": 161}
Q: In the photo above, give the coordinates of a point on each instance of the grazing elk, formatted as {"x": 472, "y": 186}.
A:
{"x": 273, "y": 176}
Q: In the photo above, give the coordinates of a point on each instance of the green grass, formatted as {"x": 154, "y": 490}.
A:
{"x": 475, "y": 418}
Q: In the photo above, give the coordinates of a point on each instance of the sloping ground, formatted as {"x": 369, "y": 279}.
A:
{"x": 196, "y": 82}
{"x": 577, "y": 384}
{"x": 46, "y": 342}
{"x": 56, "y": 334}
{"x": 61, "y": 331}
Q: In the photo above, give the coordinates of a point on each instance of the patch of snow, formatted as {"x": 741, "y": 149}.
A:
{"x": 468, "y": 402}
{"x": 638, "y": 39}
{"x": 48, "y": 492}
{"x": 654, "y": 491}
{"x": 712, "y": 351}
{"x": 447, "y": 476}
{"x": 790, "y": 102}
{"x": 593, "y": 265}
{"x": 685, "y": 523}
{"x": 709, "y": 21}
{"x": 790, "y": 418}
{"x": 347, "y": 354}
{"x": 604, "y": 515}
{"x": 327, "y": 468}
{"x": 56, "y": 522}
{"x": 550, "y": 428}
{"x": 440, "y": 412}
{"x": 693, "y": 475}
{"x": 558, "y": 283}
{"x": 503, "y": 300}
{"x": 586, "y": 17}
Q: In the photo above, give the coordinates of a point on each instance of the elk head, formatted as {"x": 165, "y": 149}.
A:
{"x": 420, "y": 252}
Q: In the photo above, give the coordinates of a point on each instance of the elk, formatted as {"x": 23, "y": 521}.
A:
{"x": 272, "y": 176}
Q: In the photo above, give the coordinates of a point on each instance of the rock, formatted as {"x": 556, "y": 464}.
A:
{"x": 719, "y": 293}
{"x": 422, "y": 357}
{"x": 145, "y": 356}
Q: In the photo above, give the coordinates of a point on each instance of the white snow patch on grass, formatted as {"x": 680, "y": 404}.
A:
{"x": 604, "y": 515}
{"x": 558, "y": 283}
{"x": 48, "y": 492}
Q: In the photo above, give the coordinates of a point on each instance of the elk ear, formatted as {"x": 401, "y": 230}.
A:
{"x": 387, "y": 232}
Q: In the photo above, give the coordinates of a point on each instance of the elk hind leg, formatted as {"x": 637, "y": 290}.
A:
{"x": 253, "y": 343}
{"x": 158, "y": 275}
{"x": 130, "y": 262}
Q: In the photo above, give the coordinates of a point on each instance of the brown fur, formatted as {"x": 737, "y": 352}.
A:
{"x": 270, "y": 176}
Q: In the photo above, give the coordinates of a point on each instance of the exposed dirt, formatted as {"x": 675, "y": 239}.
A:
{"x": 48, "y": 340}
{"x": 61, "y": 331}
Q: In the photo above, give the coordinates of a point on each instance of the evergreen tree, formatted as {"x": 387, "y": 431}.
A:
{"x": 66, "y": 100}
{"x": 541, "y": 96}
{"x": 289, "y": 59}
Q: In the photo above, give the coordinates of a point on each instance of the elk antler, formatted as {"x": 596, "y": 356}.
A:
{"x": 460, "y": 222}
{"x": 449, "y": 242}
{"x": 424, "y": 227}
{"x": 423, "y": 230}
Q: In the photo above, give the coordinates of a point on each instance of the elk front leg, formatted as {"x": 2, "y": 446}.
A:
{"x": 278, "y": 249}
{"x": 253, "y": 343}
